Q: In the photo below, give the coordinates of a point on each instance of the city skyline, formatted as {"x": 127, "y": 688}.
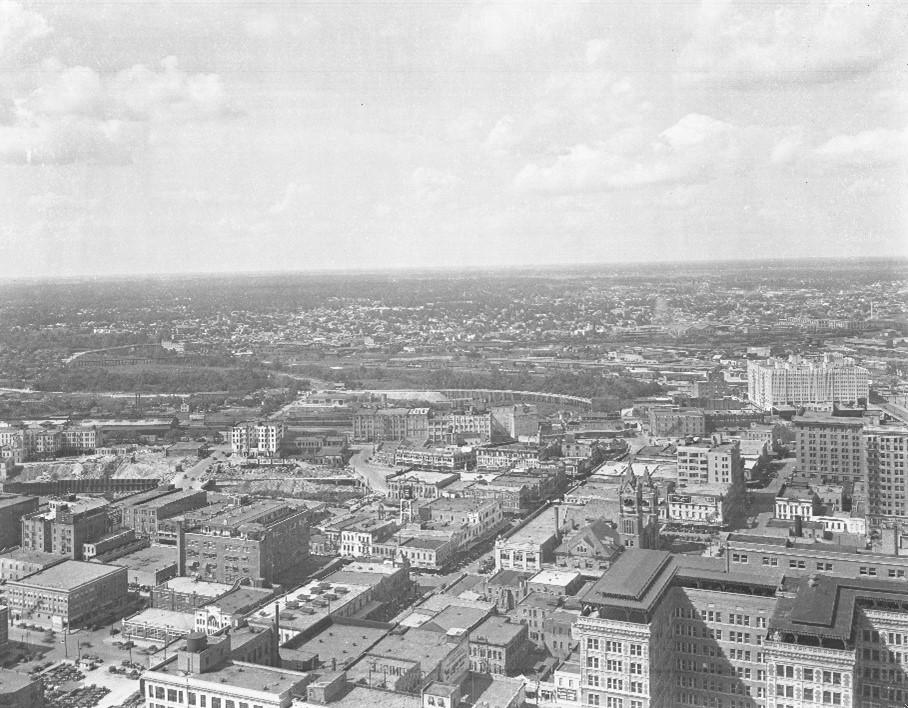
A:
{"x": 264, "y": 137}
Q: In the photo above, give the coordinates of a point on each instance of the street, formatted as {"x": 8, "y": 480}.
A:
{"x": 373, "y": 475}
{"x": 193, "y": 477}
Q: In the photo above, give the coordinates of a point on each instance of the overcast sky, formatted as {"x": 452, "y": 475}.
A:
{"x": 239, "y": 135}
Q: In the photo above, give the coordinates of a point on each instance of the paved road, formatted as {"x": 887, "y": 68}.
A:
{"x": 373, "y": 475}
{"x": 193, "y": 478}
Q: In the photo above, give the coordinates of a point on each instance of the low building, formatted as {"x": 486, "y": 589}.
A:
{"x": 157, "y": 625}
{"x": 561, "y": 583}
{"x": 498, "y": 647}
{"x": 480, "y": 518}
{"x": 186, "y": 594}
{"x": 450, "y": 457}
{"x": 429, "y": 553}
{"x": 149, "y": 567}
{"x": 796, "y": 501}
{"x": 507, "y": 455}
{"x": 404, "y": 662}
{"x": 358, "y": 539}
{"x": 531, "y": 545}
{"x": 202, "y": 673}
{"x": 706, "y": 505}
{"x": 388, "y": 582}
{"x": 231, "y": 608}
{"x": 591, "y": 549}
{"x": 18, "y": 563}
{"x": 19, "y": 690}
{"x": 110, "y": 543}
{"x": 69, "y": 594}
{"x": 419, "y": 484}
{"x": 306, "y": 608}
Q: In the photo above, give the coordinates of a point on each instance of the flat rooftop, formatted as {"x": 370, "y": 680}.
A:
{"x": 23, "y": 555}
{"x": 243, "y": 599}
{"x": 426, "y": 477}
{"x": 156, "y": 617}
{"x": 538, "y": 531}
{"x": 341, "y": 643}
{"x": 11, "y": 681}
{"x": 497, "y": 631}
{"x": 253, "y": 677}
{"x": 555, "y": 577}
{"x": 12, "y": 499}
{"x": 68, "y": 575}
{"x": 151, "y": 558}
{"x": 190, "y": 586}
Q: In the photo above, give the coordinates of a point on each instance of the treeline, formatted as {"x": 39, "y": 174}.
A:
{"x": 585, "y": 384}
{"x": 163, "y": 380}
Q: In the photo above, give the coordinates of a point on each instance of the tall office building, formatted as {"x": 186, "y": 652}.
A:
{"x": 886, "y": 450}
{"x": 663, "y": 631}
{"x": 798, "y": 381}
{"x": 829, "y": 448}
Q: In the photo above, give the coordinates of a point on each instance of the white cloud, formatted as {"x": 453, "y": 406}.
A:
{"x": 867, "y": 148}
{"x": 67, "y": 140}
{"x": 788, "y": 148}
{"x": 76, "y": 115}
{"x": 509, "y": 29}
{"x": 74, "y": 91}
{"x": 795, "y": 43}
{"x": 686, "y": 152}
{"x": 430, "y": 184}
{"x": 501, "y": 138}
{"x": 290, "y": 198}
{"x": 18, "y": 27}
{"x": 141, "y": 93}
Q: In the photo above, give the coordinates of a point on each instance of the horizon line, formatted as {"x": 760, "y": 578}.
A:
{"x": 6, "y": 278}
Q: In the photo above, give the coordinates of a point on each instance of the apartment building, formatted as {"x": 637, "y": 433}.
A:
{"x": 710, "y": 462}
{"x": 507, "y": 455}
{"x": 257, "y": 439}
{"x": 450, "y": 427}
{"x": 828, "y": 448}
{"x": 676, "y": 422}
{"x": 142, "y": 512}
{"x": 886, "y": 449}
{"x": 373, "y": 424}
{"x": 258, "y": 541}
{"x": 69, "y": 523}
{"x": 799, "y": 381}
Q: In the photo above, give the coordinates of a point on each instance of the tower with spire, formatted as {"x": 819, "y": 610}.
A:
{"x": 638, "y": 522}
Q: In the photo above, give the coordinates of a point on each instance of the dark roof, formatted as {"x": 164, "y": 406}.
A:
{"x": 632, "y": 576}
{"x": 757, "y": 540}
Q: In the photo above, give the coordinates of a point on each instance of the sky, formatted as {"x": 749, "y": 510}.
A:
{"x": 235, "y": 135}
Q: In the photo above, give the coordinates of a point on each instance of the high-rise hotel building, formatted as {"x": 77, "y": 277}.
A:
{"x": 799, "y": 381}
{"x": 665, "y": 631}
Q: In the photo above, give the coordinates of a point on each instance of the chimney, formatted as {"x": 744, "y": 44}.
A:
{"x": 181, "y": 550}
{"x": 799, "y": 526}
{"x": 277, "y": 633}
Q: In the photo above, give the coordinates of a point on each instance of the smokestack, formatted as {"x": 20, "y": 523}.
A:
{"x": 277, "y": 633}
{"x": 181, "y": 550}
{"x": 557, "y": 526}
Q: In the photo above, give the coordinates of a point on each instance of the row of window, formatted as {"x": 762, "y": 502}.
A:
{"x": 173, "y": 695}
